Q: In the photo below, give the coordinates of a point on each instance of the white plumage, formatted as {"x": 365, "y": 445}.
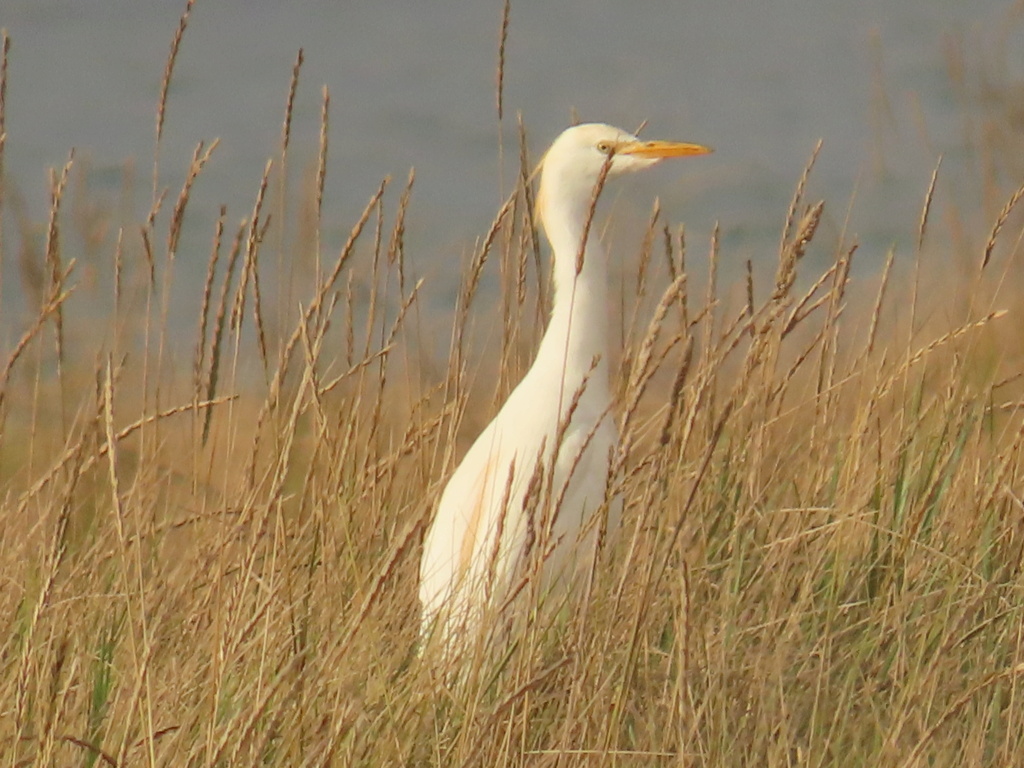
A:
{"x": 466, "y": 570}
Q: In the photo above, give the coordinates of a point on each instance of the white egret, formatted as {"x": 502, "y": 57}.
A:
{"x": 489, "y": 514}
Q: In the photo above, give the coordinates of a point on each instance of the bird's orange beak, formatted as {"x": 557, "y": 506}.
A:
{"x": 661, "y": 149}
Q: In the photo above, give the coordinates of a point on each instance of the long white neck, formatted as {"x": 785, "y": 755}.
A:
{"x": 577, "y": 332}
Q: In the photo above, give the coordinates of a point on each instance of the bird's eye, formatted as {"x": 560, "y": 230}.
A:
{"x": 605, "y": 147}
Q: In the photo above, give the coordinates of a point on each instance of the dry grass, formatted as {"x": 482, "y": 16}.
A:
{"x": 213, "y": 562}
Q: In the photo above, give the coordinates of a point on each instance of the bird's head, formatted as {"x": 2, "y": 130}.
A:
{"x": 576, "y": 160}
{"x": 586, "y": 148}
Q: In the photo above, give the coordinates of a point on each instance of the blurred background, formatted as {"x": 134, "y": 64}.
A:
{"x": 889, "y": 87}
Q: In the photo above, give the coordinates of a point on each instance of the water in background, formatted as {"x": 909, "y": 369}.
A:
{"x": 413, "y": 84}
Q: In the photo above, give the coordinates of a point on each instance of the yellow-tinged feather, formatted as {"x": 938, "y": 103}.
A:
{"x": 469, "y": 539}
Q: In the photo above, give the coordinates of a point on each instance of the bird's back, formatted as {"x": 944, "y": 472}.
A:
{"x": 508, "y": 484}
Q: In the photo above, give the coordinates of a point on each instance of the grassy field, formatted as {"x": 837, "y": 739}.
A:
{"x": 208, "y": 549}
